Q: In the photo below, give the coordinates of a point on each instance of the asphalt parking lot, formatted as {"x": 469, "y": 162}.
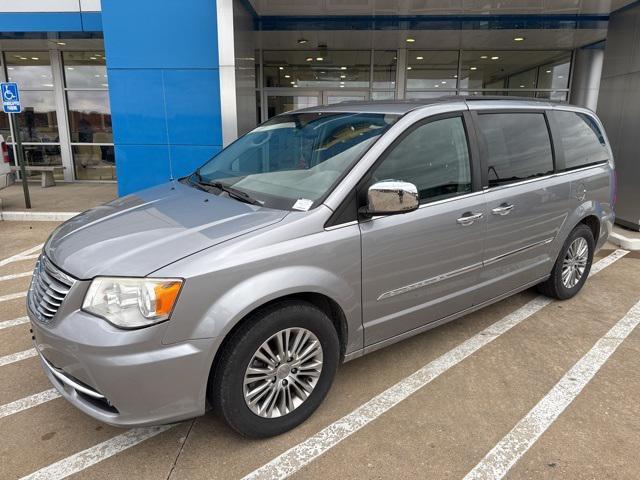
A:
{"x": 525, "y": 388}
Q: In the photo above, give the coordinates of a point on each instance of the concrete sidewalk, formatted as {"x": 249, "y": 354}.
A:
{"x": 54, "y": 203}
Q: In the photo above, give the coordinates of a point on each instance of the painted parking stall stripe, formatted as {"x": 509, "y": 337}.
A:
{"x": 12, "y": 296}
{"x": 304, "y": 453}
{"x": 12, "y": 323}
{"x": 97, "y": 453}
{"x": 517, "y": 442}
{"x": 28, "y": 402}
{"x": 16, "y": 357}
{"x": 14, "y": 276}
{"x": 22, "y": 255}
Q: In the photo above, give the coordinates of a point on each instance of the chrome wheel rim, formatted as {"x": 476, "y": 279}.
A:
{"x": 575, "y": 262}
{"x": 283, "y": 372}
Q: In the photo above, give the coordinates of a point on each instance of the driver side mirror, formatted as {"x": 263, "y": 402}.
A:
{"x": 390, "y": 197}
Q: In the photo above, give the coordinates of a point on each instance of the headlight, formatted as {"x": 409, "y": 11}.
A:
{"x": 132, "y": 302}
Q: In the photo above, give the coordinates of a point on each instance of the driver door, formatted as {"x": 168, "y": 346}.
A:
{"x": 422, "y": 266}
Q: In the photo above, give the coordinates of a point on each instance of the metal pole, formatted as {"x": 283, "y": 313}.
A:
{"x": 23, "y": 171}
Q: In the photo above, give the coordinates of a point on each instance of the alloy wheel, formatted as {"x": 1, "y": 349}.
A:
{"x": 575, "y": 262}
{"x": 283, "y": 372}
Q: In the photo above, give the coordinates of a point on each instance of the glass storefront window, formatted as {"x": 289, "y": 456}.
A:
{"x": 29, "y": 69}
{"x": 94, "y": 162}
{"x": 431, "y": 69}
{"x": 383, "y": 95}
{"x": 89, "y": 116}
{"x": 280, "y": 104}
{"x": 5, "y": 130}
{"x": 384, "y": 69}
{"x": 38, "y": 121}
{"x": 510, "y": 69}
{"x": 85, "y": 69}
{"x": 434, "y": 94}
{"x": 41, "y": 155}
{"x": 313, "y": 69}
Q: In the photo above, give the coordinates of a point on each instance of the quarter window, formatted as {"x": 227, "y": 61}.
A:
{"x": 517, "y": 146}
{"x": 434, "y": 157}
{"x": 580, "y": 139}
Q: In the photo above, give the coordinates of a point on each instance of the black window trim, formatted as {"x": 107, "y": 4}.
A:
{"x": 347, "y": 211}
{"x": 484, "y": 164}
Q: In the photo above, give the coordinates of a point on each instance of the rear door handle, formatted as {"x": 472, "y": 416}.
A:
{"x": 503, "y": 209}
{"x": 468, "y": 218}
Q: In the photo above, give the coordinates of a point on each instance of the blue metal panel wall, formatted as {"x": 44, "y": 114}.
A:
{"x": 162, "y": 61}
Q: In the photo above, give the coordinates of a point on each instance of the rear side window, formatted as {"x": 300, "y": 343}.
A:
{"x": 580, "y": 139}
{"x": 517, "y": 146}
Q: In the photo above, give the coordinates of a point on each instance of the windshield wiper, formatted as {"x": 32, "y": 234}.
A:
{"x": 229, "y": 190}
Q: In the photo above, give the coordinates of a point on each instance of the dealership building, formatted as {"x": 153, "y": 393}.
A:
{"x": 142, "y": 91}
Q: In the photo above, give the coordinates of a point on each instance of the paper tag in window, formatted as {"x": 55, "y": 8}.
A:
{"x": 302, "y": 204}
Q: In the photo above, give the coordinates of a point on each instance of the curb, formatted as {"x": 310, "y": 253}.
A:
{"x": 37, "y": 216}
{"x": 624, "y": 242}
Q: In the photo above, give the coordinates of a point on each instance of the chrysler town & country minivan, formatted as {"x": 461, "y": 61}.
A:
{"x": 320, "y": 236}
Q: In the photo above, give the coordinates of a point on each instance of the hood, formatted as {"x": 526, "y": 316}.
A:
{"x": 140, "y": 233}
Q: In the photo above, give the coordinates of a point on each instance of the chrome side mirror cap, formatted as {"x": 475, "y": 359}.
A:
{"x": 390, "y": 197}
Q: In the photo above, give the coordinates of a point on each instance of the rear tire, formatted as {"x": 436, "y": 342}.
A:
{"x": 255, "y": 359}
{"x": 572, "y": 265}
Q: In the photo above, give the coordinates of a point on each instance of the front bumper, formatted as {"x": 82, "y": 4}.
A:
{"x": 124, "y": 378}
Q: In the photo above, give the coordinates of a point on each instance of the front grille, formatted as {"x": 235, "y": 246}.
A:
{"x": 49, "y": 287}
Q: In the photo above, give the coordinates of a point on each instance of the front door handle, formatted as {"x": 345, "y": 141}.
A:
{"x": 468, "y": 218}
{"x": 503, "y": 209}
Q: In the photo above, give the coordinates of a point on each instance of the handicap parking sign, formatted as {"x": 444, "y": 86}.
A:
{"x": 10, "y": 97}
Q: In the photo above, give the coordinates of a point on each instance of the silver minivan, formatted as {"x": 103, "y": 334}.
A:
{"x": 320, "y": 236}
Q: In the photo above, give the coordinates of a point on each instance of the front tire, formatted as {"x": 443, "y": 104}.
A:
{"x": 276, "y": 369}
{"x": 572, "y": 265}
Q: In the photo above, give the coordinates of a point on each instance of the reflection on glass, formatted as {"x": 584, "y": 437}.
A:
{"x": 553, "y": 95}
{"x": 503, "y": 93}
{"x": 429, "y": 69}
{"x": 280, "y": 104}
{"x": 41, "y": 155}
{"x": 94, "y": 162}
{"x": 29, "y": 69}
{"x": 89, "y": 116}
{"x": 511, "y": 69}
{"x": 5, "y": 129}
{"x": 317, "y": 68}
{"x": 85, "y": 69}
{"x": 38, "y": 121}
{"x": 384, "y": 69}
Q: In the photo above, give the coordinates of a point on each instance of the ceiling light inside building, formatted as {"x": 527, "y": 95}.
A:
{"x": 547, "y": 71}
{"x": 483, "y": 57}
{"x": 343, "y": 76}
{"x": 35, "y": 58}
{"x": 341, "y": 86}
{"x": 521, "y": 86}
{"x": 302, "y": 41}
{"x": 61, "y": 43}
{"x": 408, "y": 68}
{"x": 518, "y": 39}
{"x": 343, "y": 68}
{"x": 411, "y": 40}
{"x": 419, "y": 58}
{"x": 309, "y": 59}
{"x": 319, "y": 59}
{"x": 287, "y": 76}
{"x": 473, "y": 68}
{"x": 495, "y": 57}
{"x": 280, "y": 68}
{"x": 293, "y": 83}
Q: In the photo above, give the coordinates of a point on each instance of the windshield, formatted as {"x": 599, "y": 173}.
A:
{"x": 294, "y": 160}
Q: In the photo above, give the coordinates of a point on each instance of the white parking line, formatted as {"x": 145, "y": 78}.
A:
{"x": 300, "y": 455}
{"x": 28, "y": 257}
{"x": 16, "y": 357}
{"x": 14, "y": 322}
{"x": 91, "y": 456}
{"x": 28, "y": 402}
{"x": 12, "y": 296}
{"x": 517, "y": 442}
{"x": 21, "y": 256}
{"x": 13, "y": 276}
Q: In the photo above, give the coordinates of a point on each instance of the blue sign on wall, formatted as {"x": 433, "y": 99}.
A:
{"x": 10, "y": 97}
